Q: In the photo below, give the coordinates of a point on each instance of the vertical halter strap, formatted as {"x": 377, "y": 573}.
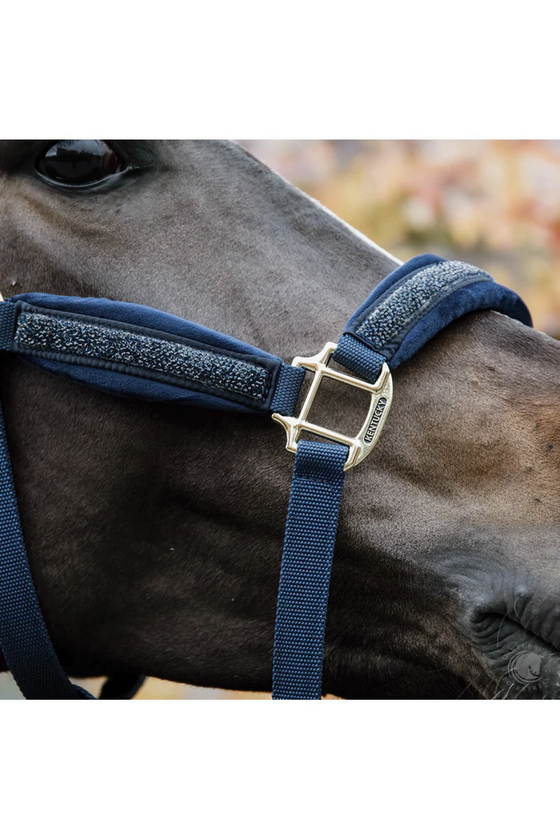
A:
{"x": 305, "y": 575}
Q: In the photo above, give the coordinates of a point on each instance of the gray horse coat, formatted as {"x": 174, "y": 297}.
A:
{"x": 155, "y": 532}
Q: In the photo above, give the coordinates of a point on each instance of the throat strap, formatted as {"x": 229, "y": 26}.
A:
{"x": 25, "y": 640}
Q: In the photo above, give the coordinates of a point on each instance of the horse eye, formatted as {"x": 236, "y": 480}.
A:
{"x": 76, "y": 163}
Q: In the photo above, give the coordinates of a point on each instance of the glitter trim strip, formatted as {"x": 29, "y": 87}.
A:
{"x": 409, "y": 302}
{"x": 42, "y": 333}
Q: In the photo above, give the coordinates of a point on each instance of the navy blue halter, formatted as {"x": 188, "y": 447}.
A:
{"x": 134, "y": 351}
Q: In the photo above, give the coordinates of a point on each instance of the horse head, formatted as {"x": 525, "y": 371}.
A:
{"x": 154, "y": 532}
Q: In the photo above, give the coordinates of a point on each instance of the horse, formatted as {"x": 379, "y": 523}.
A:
{"x": 154, "y": 532}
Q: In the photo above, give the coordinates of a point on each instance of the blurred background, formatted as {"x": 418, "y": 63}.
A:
{"x": 495, "y": 203}
{"x": 491, "y": 202}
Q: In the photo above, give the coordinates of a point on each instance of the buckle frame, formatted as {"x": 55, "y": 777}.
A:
{"x": 381, "y": 397}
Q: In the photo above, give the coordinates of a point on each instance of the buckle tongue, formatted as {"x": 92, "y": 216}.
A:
{"x": 381, "y": 395}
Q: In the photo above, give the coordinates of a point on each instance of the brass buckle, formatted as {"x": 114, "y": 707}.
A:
{"x": 381, "y": 395}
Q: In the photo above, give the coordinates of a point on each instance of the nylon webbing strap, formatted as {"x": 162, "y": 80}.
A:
{"x": 305, "y": 574}
{"x": 24, "y": 638}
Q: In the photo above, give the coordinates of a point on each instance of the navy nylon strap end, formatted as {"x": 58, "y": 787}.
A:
{"x": 287, "y": 389}
{"x": 8, "y": 313}
{"x": 305, "y": 574}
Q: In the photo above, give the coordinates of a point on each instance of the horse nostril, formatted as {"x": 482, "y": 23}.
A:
{"x": 518, "y": 635}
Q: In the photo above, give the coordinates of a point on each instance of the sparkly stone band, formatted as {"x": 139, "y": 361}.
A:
{"x": 394, "y": 315}
{"x": 41, "y": 333}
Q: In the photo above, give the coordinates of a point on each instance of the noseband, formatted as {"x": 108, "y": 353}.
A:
{"x": 135, "y": 351}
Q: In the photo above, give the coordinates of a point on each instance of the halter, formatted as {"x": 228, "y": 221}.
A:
{"x": 135, "y": 351}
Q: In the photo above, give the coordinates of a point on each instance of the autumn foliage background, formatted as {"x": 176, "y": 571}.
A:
{"x": 491, "y": 202}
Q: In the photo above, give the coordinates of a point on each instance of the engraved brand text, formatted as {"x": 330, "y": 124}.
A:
{"x": 375, "y": 420}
